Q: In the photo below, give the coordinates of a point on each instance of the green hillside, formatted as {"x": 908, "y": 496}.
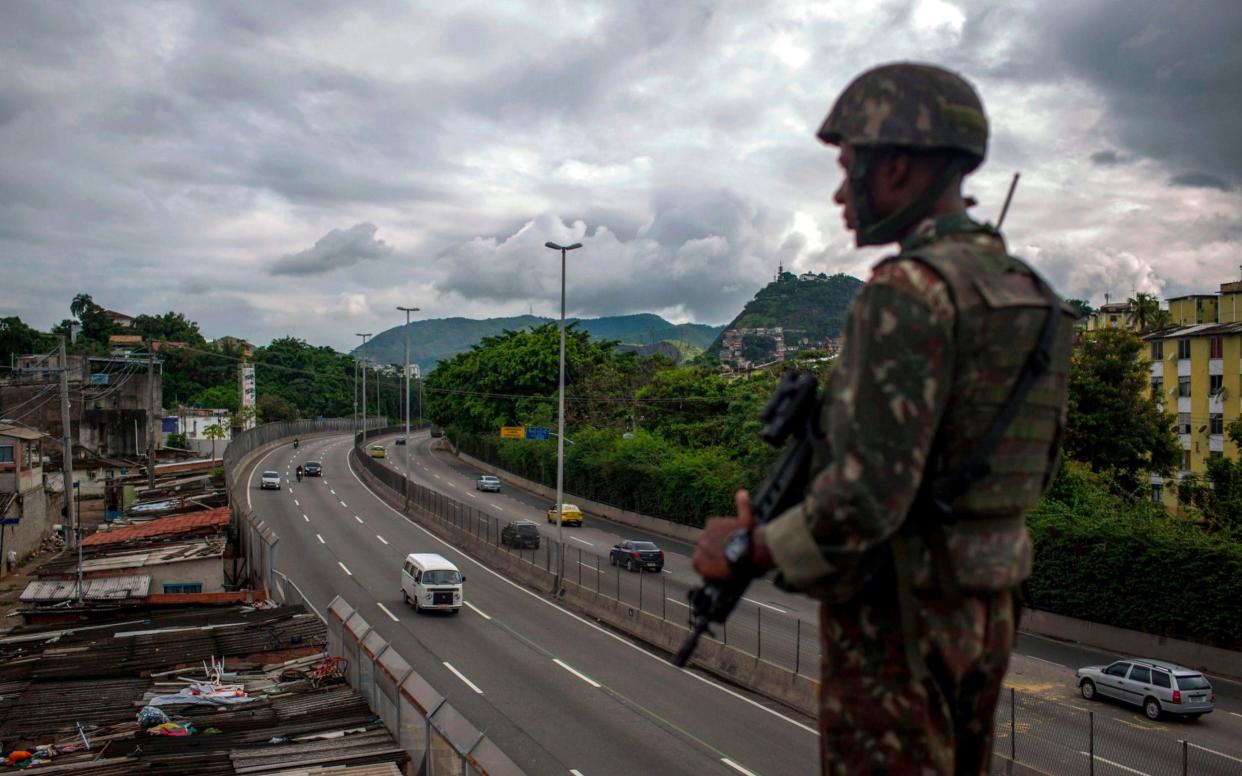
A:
{"x": 434, "y": 340}
{"x": 817, "y": 307}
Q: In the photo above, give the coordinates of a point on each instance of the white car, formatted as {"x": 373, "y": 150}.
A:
{"x": 488, "y": 482}
{"x": 430, "y": 581}
{"x": 270, "y": 480}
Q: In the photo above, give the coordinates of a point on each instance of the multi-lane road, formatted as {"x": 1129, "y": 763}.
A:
{"x": 526, "y": 671}
{"x": 557, "y": 693}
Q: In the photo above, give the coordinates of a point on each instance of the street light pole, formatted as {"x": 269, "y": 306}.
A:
{"x": 406, "y": 375}
{"x": 560, "y": 426}
{"x": 363, "y": 367}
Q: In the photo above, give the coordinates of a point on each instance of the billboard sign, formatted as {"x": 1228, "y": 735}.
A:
{"x": 538, "y": 432}
{"x": 246, "y": 392}
{"x": 512, "y": 432}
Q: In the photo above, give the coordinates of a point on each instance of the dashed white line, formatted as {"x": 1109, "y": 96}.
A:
{"x": 577, "y": 673}
{"x": 436, "y": 476}
{"x": 320, "y": 538}
{"x": 462, "y": 677}
{"x": 575, "y": 772}
{"x": 384, "y": 609}
{"x": 498, "y": 509}
{"x": 296, "y": 503}
{"x": 333, "y": 492}
{"x": 304, "y": 517}
{"x": 1236, "y": 714}
{"x": 471, "y": 495}
{"x": 766, "y": 606}
{"x": 345, "y": 505}
{"x": 359, "y": 519}
{"x": 382, "y": 539}
{"x": 582, "y": 541}
{"x": 451, "y": 485}
{"x": 344, "y": 568}
{"x": 1115, "y": 765}
{"x": 737, "y": 767}
{"x": 1049, "y": 662}
{"x": 478, "y": 611}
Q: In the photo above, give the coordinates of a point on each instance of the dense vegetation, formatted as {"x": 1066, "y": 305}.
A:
{"x": 817, "y": 307}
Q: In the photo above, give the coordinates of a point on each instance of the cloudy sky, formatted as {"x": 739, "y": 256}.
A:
{"x": 303, "y": 167}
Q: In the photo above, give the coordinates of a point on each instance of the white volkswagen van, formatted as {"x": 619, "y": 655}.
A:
{"x": 430, "y": 581}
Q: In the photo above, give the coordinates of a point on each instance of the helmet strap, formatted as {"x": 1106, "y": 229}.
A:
{"x": 873, "y": 230}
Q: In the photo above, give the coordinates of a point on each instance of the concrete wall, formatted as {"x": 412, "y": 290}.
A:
{"x": 37, "y": 516}
{"x": 1123, "y": 642}
{"x": 208, "y": 571}
{"x": 656, "y": 525}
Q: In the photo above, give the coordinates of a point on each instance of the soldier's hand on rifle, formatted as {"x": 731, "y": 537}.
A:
{"x": 709, "y": 553}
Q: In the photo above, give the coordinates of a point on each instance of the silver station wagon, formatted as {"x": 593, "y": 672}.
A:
{"x": 1158, "y": 687}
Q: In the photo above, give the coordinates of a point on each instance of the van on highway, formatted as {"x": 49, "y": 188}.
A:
{"x": 431, "y": 582}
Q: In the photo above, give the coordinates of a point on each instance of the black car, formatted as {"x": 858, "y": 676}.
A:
{"x": 436, "y": 432}
{"x": 637, "y": 556}
{"x": 400, "y": 441}
{"x": 520, "y": 534}
{"x": 312, "y": 469}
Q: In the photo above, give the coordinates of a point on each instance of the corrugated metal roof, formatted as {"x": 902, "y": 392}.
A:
{"x": 206, "y": 521}
{"x": 106, "y": 589}
{"x": 20, "y": 432}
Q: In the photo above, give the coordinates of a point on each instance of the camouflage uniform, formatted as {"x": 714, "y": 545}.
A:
{"x": 934, "y": 344}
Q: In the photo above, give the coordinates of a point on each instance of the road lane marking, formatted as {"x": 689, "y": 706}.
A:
{"x": 478, "y": 611}
{"x": 333, "y": 492}
{"x": 359, "y": 519}
{"x": 679, "y": 603}
{"x": 296, "y": 503}
{"x": 391, "y": 616}
{"x": 1213, "y": 751}
{"x": 471, "y": 495}
{"x": 603, "y": 631}
{"x": 382, "y": 539}
{"x": 320, "y": 538}
{"x": 304, "y": 517}
{"x": 344, "y": 568}
{"x": 584, "y": 541}
{"x": 575, "y": 772}
{"x": 345, "y": 505}
{"x": 666, "y": 571}
{"x": 1236, "y": 714}
{"x": 577, "y": 673}
{"x": 436, "y": 476}
{"x": 462, "y": 677}
{"x": 737, "y": 767}
{"x": 765, "y": 606}
{"x": 1049, "y": 662}
{"x": 451, "y": 485}
{"x": 1115, "y": 765}
{"x": 498, "y": 508}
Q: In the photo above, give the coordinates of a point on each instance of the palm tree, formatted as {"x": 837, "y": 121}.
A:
{"x": 1145, "y": 308}
{"x": 213, "y": 432}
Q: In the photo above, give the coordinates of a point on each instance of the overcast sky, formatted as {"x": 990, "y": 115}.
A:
{"x": 275, "y": 168}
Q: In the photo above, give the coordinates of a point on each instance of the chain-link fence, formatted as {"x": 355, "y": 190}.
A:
{"x": 1053, "y": 736}
{"x": 763, "y": 630}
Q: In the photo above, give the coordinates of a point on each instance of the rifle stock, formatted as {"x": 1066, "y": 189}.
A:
{"x": 791, "y": 416}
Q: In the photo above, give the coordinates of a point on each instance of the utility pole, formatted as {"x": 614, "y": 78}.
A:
{"x": 406, "y": 414}
{"x": 151, "y": 415}
{"x": 362, "y": 365}
{"x": 560, "y": 425}
{"x": 71, "y": 511}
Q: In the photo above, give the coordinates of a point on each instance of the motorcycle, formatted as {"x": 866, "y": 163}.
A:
{"x": 295, "y": 444}
{"x": 299, "y": 474}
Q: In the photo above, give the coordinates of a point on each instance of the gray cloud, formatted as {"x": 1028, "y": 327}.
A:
{"x": 1106, "y": 158}
{"x": 336, "y": 249}
{"x": 1200, "y": 180}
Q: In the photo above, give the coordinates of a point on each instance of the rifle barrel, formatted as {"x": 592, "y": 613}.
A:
{"x": 1013, "y": 184}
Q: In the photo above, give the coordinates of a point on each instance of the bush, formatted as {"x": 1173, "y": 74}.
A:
{"x": 1107, "y": 559}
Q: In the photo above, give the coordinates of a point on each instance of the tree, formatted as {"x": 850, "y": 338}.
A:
{"x": 96, "y": 325}
{"x": 16, "y": 339}
{"x": 1113, "y": 425}
{"x": 1146, "y": 310}
{"x": 273, "y": 409}
{"x": 213, "y": 432}
{"x": 171, "y": 326}
{"x": 1081, "y": 306}
{"x": 218, "y": 397}
{"x": 1217, "y": 493}
{"x": 758, "y": 348}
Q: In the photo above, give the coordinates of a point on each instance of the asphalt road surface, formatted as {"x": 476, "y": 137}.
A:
{"x": 557, "y": 693}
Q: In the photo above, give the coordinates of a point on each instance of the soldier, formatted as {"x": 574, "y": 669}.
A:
{"x": 942, "y": 421}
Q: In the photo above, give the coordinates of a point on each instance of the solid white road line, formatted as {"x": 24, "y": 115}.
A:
{"x": 1213, "y": 751}
{"x": 344, "y": 568}
{"x": 583, "y": 541}
{"x": 1115, "y": 765}
{"x": 304, "y": 517}
{"x": 462, "y": 677}
{"x": 320, "y": 538}
{"x": 616, "y": 637}
{"x": 737, "y": 767}
{"x": 478, "y": 611}
{"x": 1049, "y": 662}
{"x": 1236, "y": 714}
{"x": 578, "y": 674}
{"x": 359, "y": 519}
{"x": 391, "y": 616}
{"x": 382, "y": 539}
{"x": 766, "y": 606}
{"x": 679, "y": 603}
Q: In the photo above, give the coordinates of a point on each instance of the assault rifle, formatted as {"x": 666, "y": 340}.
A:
{"x": 791, "y": 415}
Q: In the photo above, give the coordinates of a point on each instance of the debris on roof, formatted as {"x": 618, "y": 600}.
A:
{"x": 104, "y": 589}
{"x": 203, "y": 522}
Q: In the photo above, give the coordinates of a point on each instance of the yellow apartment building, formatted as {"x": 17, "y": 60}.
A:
{"x": 1196, "y": 375}
{"x": 1112, "y": 315}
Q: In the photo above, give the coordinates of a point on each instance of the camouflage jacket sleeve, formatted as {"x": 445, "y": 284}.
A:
{"x": 882, "y": 407}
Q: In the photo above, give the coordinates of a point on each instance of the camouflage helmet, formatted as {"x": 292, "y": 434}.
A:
{"x": 910, "y": 106}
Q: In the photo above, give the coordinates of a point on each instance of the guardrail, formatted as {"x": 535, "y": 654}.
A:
{"x": 772, "y": 653}
{"x": 1047, "y": 735}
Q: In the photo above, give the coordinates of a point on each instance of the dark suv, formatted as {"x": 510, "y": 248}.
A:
{"x": 520, "y": 534}
{"x": 313, "y": 469}
{"x": 637, "y": 556}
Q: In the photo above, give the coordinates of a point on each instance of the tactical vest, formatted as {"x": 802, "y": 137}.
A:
{"x": 1001, "y": 310}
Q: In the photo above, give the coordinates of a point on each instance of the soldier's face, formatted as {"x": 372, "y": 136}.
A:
{"x": 844, "y": 195}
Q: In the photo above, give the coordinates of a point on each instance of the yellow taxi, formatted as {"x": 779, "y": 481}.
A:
{"x": 377, "y": 451}
{"x": 570, "y": 514}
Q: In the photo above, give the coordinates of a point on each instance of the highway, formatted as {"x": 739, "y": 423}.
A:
{"x": 557, "y": 693}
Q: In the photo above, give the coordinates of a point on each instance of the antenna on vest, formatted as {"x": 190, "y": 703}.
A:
{"x": 1013, "y": 184}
